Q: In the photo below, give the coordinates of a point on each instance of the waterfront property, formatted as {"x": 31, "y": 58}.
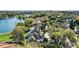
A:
{"x": 47, "y": 29}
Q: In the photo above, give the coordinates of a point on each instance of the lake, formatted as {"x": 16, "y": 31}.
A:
{"x": 8, "y": 24}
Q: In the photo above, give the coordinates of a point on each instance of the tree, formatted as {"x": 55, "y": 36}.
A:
{"x": 62, "y": 35}
{"x": 72, "y": 25}
{"x": 18, "y": 33}
{"x": 70, "y": 34}
{"x": 77, "y": 20}
{"x": 28, "y": 21}
{"x": 20, "y": 24}
{"x": 45, "y": 18}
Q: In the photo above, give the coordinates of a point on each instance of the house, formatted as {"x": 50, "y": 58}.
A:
{"x": 68, "y": 20}
{"x": 35, "y": 34}
{"x": 27, "y": 15}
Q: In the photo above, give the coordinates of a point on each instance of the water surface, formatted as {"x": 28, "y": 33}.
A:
{"x": 8, "y": 24}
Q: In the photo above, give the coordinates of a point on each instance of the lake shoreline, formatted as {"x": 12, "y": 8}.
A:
{"x": 5, "y": 33}
{"x": 8, "y": 24}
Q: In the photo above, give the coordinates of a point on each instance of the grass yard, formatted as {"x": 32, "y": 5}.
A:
{"x": 4, "y": 37}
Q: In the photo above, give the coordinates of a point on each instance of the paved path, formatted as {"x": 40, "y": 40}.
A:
{"x": 5, "y": 45}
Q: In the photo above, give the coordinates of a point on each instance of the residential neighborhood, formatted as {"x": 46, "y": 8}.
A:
{"x": 39, "y": 29}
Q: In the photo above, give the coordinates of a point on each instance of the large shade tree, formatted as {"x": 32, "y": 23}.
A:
{"x": 28, "y": 21}
{"x": 18, "y": 33}
{"x": 61, "y": 36}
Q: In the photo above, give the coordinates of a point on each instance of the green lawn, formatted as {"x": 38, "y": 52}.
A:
{"x": 4, "y": 37}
